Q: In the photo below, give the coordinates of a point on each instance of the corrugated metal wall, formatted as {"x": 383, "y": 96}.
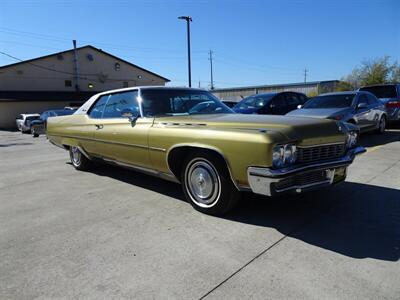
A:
{"x": 236, "y": 94}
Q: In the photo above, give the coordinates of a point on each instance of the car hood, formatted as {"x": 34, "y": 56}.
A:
{"x": 323, "y": 113}
{"x": 292, "y": 128}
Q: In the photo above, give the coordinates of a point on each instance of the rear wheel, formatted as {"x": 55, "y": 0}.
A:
{"x": 34, "y": 133}
{"x": 78, "y": 160}
{"x": 207, "y": 185}
{"x": 382, "y": 125}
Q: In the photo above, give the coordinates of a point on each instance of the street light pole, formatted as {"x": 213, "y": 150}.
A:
{"x": 188, "y": 20}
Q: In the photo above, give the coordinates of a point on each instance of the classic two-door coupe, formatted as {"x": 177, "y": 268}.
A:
{"x": 212, "y": 151}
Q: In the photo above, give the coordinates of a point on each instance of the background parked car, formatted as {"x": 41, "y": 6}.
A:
{"x": 39, "y": 125}
{"x": 270, "y": 103}
{"x": 23, "y": 121}
{"x": 229, "y": 103}
{"x": 389, "y": 94}
{"x": 360, "y": 108}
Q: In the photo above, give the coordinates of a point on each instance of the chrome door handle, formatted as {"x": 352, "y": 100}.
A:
{"x": 99, "y": 126}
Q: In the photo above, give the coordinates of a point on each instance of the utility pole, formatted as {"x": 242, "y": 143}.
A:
{"x": 211, "y": 68}
{"x": 76, "y": 70}
{"x": 305, "y": 75}
{"x": 188, "y": 20}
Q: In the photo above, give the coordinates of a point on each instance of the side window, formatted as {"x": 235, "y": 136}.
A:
{"x": 292, "y": 99}
{"x": 372, "y": 99}
{"x": 363, "y": 99}
{"x": 303, "y": 98}
{"x": 119, "y": 102}
{"x": 96, "y": 111}
{"x": 279, "y": 102}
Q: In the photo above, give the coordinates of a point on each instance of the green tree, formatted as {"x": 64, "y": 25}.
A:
{"x": 376, "y": 71}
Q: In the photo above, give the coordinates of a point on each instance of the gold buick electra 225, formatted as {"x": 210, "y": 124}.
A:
{"x": 189, "y": 136}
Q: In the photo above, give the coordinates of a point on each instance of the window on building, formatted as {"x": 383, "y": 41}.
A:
{"x": 117, "y": 67}
{"x": 68, "y": 83}
{"x": 125, "y": 84}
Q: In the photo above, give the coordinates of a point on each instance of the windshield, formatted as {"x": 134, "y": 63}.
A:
{"x": 381, "y": 91}
{"x": 173, "y": 102}
{"x": 330, "y": 101}
{"x": 30, "y": 118}
{"x": 252, "y": 102}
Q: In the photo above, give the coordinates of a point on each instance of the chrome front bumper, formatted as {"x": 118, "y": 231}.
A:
{"x": 271, "y": 182}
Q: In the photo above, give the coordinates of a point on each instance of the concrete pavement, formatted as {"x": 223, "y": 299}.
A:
{"x": 116, "y": 234}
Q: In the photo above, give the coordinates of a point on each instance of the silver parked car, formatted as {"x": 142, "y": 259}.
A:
{"x": 23, "y": 121}
{"x": 360, "y": 108}
{"x": 389, "y": 94}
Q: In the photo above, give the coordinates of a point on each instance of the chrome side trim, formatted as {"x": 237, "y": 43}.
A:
{"x": 158, "y": 149}
{"x": 103, "y": 141}
{"x": 201, "y": 146}
{"x": 148, "y": 171}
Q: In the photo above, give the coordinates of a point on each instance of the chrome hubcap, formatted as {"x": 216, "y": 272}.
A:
{"x": 202, "y": 183}
{"x": 76, "y": 156}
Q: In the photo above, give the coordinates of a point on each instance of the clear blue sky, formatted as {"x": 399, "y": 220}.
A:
{"x": 254, "y": 41}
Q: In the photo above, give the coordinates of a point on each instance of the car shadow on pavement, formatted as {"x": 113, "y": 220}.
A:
{"x": 148, "y": 182}
{"x": 353, "y": 219}
{"x": 373, "y": 139}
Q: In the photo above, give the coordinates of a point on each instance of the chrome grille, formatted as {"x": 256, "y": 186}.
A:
{"x": 317, "y": 153}
{"x": 312, "y": 177}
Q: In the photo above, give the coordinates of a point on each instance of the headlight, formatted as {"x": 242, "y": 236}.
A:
{"x": 284, "y": 155}
{"x": 352, "y": 139}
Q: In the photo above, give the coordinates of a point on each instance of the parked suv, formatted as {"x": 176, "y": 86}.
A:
{"x": 270, "y": 103}
{"x": 389, "y": 94}
{"x": 360, "y": 108}
{"x": 23, "y": 121}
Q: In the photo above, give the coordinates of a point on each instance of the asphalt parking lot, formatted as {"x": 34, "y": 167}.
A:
{"x": 116, "y": 234}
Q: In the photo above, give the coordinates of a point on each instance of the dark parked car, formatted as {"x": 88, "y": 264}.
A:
{"x": 389, "y": 94}
{"x": 39, "y": 125}
{"x": 360, "y": 108}
{"x": 229, "y": 103}
{"x": 270, "y": 103}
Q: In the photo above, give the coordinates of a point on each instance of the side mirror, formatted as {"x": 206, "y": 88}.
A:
{"x": 362, "y": 105}
{"x": 131, "y": 115}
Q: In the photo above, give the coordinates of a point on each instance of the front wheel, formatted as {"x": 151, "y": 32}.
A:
{"x": 207, "y": 185}
{"x": 78, "y": 160}
{"x": 382, "y": 125}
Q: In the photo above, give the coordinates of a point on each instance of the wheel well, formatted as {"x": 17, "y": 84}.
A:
{"x": 177, "y": 156}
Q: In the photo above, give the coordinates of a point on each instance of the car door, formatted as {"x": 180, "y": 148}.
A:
{"x": 363, "y": 114}
{"x": 121, "y": 139}
{"x": 376, "y": 110}
{"x": 278, "y": 105}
